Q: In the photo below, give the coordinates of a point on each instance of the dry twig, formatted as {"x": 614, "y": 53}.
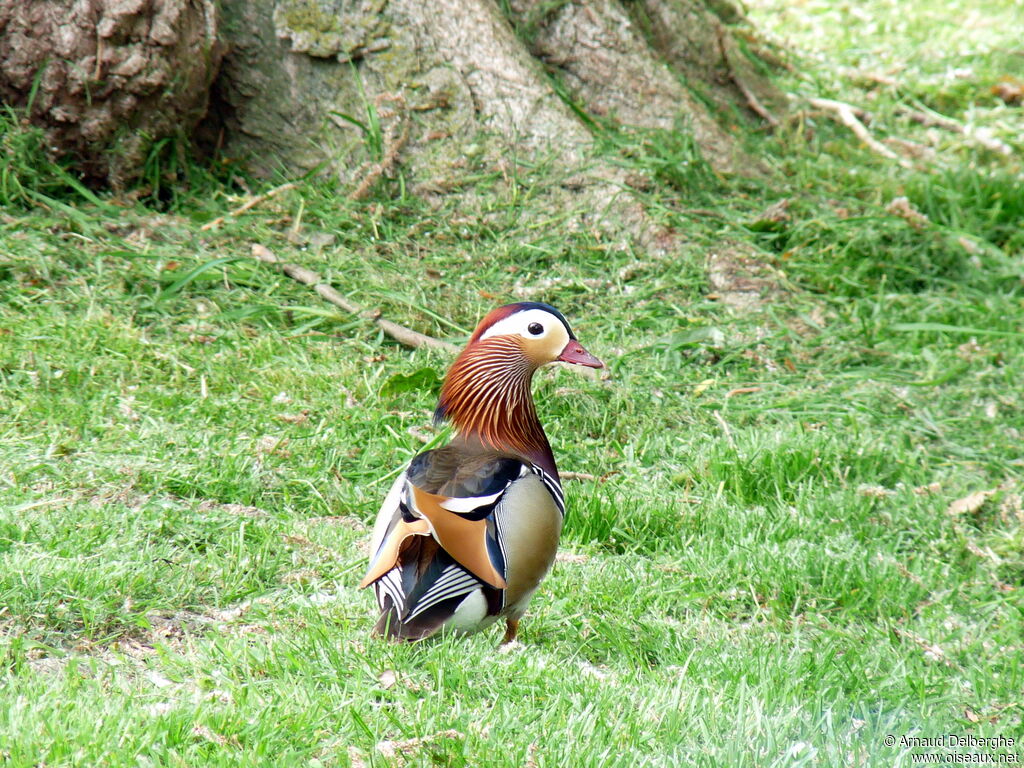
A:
{"x": 251, "y": 202}
{"x": 308, "y": 277}
{"x": 933, "y": 120}
{"x": 741, "y": 391}
{"x": 752, "y": 101}
{"x": 577, "y": 476}
{"x": 725, "y": 429}
{"x": 393, "y": 144}
{"x": 399, "y": 333}
{"x": 847, "y": 115}
{"x": 396, "y": 750}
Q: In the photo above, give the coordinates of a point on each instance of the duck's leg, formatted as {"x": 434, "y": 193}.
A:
{"x": 511, "y": 628}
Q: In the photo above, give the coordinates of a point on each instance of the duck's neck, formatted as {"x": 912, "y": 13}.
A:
{"x": 486, "y": 395}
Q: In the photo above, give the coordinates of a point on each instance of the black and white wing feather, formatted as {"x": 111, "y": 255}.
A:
{"x": 440, "y": 539}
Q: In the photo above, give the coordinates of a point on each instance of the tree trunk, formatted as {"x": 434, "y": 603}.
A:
{"x": 445, "y": 90}
{"x": 460, "y": 74}
{"x": 442, "y": 93}
{"x": 106, "y": 79}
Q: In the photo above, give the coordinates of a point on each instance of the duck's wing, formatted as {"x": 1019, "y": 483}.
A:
{"x": 438, "y": 540}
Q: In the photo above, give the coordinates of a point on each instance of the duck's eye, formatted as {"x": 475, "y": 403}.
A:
{"x": 535, "y": 328}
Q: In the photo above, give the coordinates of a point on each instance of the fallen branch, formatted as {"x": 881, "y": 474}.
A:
{"x": 933, "y": 120}
{"x": 308, "y": 277}
{"x": 847, "y": 115}
{"x": 399, "y": 333}
{"x": 577, "y": 476}
{"x": 251, "y": 202}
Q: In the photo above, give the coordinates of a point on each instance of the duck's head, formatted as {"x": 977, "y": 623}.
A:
{"x": 486, "y": 393}
{"x": 539, "y": 331}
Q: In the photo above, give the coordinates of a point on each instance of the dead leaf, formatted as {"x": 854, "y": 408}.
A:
{"x": 270, "y": 445}
{"x": 398, "y": 749}
{"x": 302, "y": 576}
{"x": 776, "y": 213}
{"x": 874, "y": 491}
{"x": 1011, "y": 507}
{"x": 969, "y": 504}
{"x": 203, "y": 732}
{"x": 969, "y": 245}
{"x": 902, "y": 207}
{"x": 387, "y": 679}
{"x": 741, "y": 391}
{"x": 701, "y": 388}
{"x": 126, "y": 408}
{"x": 971, "y": 715}
{"x": 1010, "y": 90}
{"x": 531, "y": 756}
{"x": 931, "y": 651}
{"x": 927, "y": 490}
{"x": 970, "y": 350}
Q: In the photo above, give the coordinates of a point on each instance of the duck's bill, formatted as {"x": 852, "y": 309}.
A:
{"x": 575, "y": 353}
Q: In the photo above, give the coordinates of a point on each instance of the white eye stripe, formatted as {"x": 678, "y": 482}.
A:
{"x": 519, "y": 324}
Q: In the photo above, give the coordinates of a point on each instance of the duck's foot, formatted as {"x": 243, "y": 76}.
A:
{"x": 511, "y": 629}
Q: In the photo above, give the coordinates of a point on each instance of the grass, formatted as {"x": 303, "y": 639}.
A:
{"x": 191, "y": 447}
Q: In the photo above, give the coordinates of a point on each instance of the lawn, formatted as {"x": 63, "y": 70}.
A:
{"x": 796, "y": 526}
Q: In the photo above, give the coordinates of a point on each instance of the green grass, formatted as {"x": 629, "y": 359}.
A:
{"x": 192, "y": 446}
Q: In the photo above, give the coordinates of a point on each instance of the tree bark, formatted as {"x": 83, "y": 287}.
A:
{"x": 106, "y": 79}
{"x": 459, "y": 65}
{"x": 448, "y": 89}
{"x": 439, "y": 92}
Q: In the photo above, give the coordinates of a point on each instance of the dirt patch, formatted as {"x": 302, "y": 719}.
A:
{"x": 739, "y": 279}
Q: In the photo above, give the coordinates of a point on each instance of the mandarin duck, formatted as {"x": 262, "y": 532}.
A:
{"x": 468, "y": 531}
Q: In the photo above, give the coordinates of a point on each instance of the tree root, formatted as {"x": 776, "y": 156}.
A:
{"x": 749, "y": 96}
